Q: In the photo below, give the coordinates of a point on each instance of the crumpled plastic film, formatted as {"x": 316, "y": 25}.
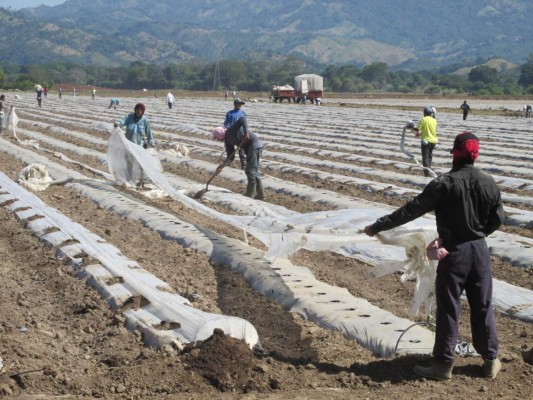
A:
{"x": 283, "y": 235}
{"x": 340, "y": 231}
{"x": 179, "y": 150}
{"x": 465, "y": 349}
{"x": 35, "y": 177}
{"x": 416, "y": 267}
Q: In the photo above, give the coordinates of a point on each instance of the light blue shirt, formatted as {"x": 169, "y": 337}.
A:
{"x": 137, "y": 131}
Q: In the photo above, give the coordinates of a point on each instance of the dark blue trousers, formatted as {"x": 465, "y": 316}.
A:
{"x": 427, "y": 156}
{"x": 468, "y": 268}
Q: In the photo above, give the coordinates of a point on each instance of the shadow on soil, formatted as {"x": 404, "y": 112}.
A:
{"x": 400, "y": 369}
{"x": 278, "y": 331}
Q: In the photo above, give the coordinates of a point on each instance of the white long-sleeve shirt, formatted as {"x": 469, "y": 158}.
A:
{"x": 170, "y": 98}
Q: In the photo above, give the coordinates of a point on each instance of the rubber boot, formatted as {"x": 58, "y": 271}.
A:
{"x": 491, "y": 368}
{"x": 440, "y": 371}
{"x": 250, "y": 189}
{"x": 260, "y": 192}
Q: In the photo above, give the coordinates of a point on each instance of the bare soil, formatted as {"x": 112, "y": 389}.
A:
{"x": 59, "y": 339}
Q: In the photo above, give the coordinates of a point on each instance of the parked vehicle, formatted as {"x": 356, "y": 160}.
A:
{"x": 307, "y": 87}
{"x": 280, "y": 93}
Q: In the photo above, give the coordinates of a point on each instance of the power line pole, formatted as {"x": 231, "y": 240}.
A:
{"x": 216, "y": 78}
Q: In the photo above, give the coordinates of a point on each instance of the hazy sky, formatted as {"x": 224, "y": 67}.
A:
{"x": 17, "y": 4}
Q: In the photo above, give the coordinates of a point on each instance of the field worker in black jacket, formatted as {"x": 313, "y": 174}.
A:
{"x": 468, "y": 207}
{"x": 466, "y": 109}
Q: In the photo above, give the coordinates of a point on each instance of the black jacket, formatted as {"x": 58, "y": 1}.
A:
{"x": 466, "y": 201}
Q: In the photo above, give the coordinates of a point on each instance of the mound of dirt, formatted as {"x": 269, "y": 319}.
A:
{"x": 227, "y": 363}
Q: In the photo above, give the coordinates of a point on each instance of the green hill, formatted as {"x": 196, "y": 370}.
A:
{"x": 411, "y": 34}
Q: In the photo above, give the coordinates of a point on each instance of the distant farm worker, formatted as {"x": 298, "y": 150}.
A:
{"x": 93, "y": 93}
{"x": 232, "y": 117}
{"x": 73, "y": 91}
{"x": 45, "y": 92}
{"x": 138, "y": 129}
{"x": 427, "y": 131}
{"x": 466, "y": 110}
{"x": 239, "y": 135}
{"x": 527, "y": 109}
{"x": 2, "y": 99}
{"x": 39, "y": 91}
{"x": 468, "y": 207}
{"x": 60, "y": 92}
{"x": 114, "y": 103}
{"x": 170, "y": 100}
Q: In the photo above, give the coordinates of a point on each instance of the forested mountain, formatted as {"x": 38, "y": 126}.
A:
{"x": 408, "y": 34}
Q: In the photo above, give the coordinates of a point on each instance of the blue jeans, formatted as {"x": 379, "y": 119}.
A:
{"x": 252, "y": 164}
{"x": 466, "y": 268}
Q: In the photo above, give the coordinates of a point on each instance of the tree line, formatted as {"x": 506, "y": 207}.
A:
{"x": 260, "y": 76}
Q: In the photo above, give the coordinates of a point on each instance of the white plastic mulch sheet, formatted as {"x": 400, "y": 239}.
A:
{"x": 180, "y": 322}
{"x": 339, "y": 231}
{"x": 10, "y": 120}
{"x": 282, "y": 235}
{"x": 122, "y": 162}
{"x": 334, "y": 312}
{"x": 292, "y": 286}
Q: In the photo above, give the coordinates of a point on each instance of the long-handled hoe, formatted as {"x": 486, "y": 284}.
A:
{"x": 217, "y": 171}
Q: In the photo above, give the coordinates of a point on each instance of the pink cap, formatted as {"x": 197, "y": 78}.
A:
{"x": 218, "y": 133}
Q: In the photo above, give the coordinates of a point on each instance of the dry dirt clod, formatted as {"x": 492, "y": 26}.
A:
{"x": 263, "y": 368}
{"x": 527, "y": 356}
{"x": 5, "y": 390}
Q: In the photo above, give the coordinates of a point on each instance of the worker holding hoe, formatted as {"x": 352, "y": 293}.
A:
{"x": 239, "y": 135}
{"x": 232, "y": 117}
{"x": 468, "y": 208}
